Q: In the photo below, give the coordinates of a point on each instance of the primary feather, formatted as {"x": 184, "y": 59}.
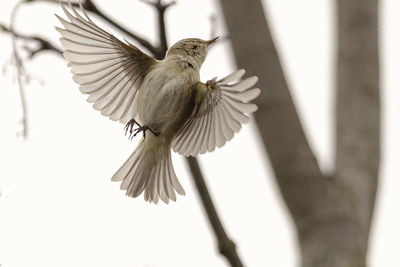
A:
{"x": 219, "y": 115}
{"x": 107, "y": 69}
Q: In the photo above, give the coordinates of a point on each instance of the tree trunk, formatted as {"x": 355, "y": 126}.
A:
{"x": 358, "y": 104}
{"x": 332, "y": 214}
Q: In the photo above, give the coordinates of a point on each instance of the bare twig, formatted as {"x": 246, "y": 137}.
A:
{"x": 55, "y": 2}
{"x": 43, "y": 45}
{"x": 225, "y": 244}
{"x": 146, "y": 44}
{"x": 161, "y": 8}
{"x": 20, "y": 72}
{"x": 88, "y": 5}
{"x": 21, "y": 76}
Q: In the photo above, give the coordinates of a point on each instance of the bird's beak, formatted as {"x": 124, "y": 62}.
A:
{"x": 211, "y": 41}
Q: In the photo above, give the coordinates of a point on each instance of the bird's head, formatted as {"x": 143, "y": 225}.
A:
{"x": 192, "y": 50}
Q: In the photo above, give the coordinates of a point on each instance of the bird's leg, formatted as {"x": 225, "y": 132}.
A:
{"x": 129, "y": 127}
{"x": 133, "y": 132}
{"x": 143, "y": 129}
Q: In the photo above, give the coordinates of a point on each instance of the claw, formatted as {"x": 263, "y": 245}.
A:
{"x": 129, "y": 128}
{"x": 143, "y": 129}
{"x": 138, "y": 130}
{"x": 133, "y": 132}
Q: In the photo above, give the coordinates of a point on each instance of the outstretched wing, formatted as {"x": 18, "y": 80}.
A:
{"x": 220, "y": 108}
{"x": 109, "y": 70}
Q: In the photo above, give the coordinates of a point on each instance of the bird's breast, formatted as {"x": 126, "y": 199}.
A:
{"x": 166, "y": 99}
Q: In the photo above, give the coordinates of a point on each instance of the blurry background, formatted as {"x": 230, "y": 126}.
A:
{"x": 58, "y": 206}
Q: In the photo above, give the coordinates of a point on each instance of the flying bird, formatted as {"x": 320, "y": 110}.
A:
{"x": 165, "y": 99}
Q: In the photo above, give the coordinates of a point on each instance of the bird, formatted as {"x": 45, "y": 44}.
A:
{"x": 165, "y": 99}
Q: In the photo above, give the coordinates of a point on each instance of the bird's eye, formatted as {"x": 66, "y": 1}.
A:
{"x": 195, "y": 47}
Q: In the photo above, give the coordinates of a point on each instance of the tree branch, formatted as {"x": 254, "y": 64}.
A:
{"x": 55, "y": 2}
{"x": 20, "y": 72}
{"x": 295, "y": 165}
{"x": 324, "y": 211}
{"x": 358, "y": 104}
{"x": 43, "y": 45}
{"x": 89, "y": 5}
{"x": 226, "y": 246}
{"x": 160, "y": 9}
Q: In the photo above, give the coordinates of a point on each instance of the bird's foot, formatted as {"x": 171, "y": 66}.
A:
{"x": 129, "y": 128}
{"x": 133, "y": 132}
{"x": 143, "y": 129}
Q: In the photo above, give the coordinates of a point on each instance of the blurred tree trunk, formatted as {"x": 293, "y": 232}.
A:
{"x": 332, "y": 213}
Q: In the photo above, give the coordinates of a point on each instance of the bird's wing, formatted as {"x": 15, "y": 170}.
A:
{"x": 107, "y": 69}
{"x": 220, "y": 108}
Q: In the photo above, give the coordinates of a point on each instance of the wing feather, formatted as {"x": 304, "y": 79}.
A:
{"x": 107, "y": 69}
{"x": 218, "y": 115}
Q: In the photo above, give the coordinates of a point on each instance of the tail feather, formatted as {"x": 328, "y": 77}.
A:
{"x": 149, "y": 169}
{"x": 173, "y": 179}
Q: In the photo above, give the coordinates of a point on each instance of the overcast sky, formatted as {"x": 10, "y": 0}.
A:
{"x": 58, "y": 206}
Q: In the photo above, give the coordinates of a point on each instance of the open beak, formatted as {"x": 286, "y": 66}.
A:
{"x": 211, "y": 41}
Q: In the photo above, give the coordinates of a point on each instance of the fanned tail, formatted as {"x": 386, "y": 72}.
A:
{"x": 150, "y": 169}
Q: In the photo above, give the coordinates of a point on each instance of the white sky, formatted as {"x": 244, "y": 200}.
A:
{"x": 59, "y": 208}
